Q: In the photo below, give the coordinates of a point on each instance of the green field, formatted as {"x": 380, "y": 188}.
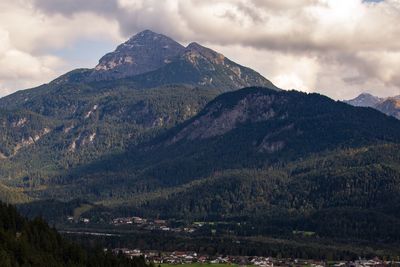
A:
{"x": 197, "y": 265}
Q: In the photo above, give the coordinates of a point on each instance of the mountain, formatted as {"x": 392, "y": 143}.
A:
{"x": 150, "y": 59}
{"x": 147, "y": 85}
{"x": 364, "y": 100}
{"x": 165, "y": 131}
{"x": 389, "y": 106}
{"x": 33, "y": 243}
{"x": 203, "y": 67}
{"x": 144, "y": 52}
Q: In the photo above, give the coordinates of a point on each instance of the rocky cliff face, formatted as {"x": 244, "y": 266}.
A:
{"x": 218, "y": 120}
{"x": 390, "y": 106}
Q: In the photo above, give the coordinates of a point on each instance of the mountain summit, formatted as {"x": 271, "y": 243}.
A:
{"x": 144, "y": 52}
{"x": 364, "y": 100}
{"x": 150, "y": 59}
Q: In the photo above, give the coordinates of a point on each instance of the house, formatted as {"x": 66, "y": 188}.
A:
{"x": 85, "y": 220}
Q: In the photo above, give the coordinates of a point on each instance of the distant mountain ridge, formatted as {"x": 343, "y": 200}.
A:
{"x": 364, "y": 100}
{"x": 390, "y": 105}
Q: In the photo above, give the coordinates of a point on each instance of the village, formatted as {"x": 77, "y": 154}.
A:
{"x": 160, "y": 258}
{"x": 187, "y": 258}
{"x": 142, "y": 223}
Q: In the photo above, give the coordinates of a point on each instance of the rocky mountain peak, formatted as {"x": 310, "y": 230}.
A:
{"x": 144, "y": 52}
{"x": 149, "y": 59}
{"x": 364, "y": 100}
{"x": 195, "y": 49}
{"x": 144, "y": 37}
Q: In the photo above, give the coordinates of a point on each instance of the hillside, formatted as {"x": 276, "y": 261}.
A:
{"x": 325, "y": 194}
{"x": 253, "y": 127}
{"x": 34, "y": 243}
{"x": 79, "y": 124}
{"x": 150, "y": 131}
{"x": 257, "y": 154}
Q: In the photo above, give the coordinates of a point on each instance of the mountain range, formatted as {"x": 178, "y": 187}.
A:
{"x": 389, "y": 105}
{"x": 86, "y": 114}
{"x": 159, "y": 129}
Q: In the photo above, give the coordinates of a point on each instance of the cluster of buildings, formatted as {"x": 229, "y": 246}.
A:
{"x": 150, "y": 225}
{"x": 71, "y": 219}
{"x": 368, "y": 263}
{"x": 180, "y": 257}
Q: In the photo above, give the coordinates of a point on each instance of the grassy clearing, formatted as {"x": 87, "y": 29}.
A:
{"x": 80, "y": 210}
{"x": 198, "y": 265}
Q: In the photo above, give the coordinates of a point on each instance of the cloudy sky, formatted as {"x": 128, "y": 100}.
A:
{"x": 336, "y": 47}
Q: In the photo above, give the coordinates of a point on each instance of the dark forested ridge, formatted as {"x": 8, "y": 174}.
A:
{"x": 250, "y": 128}
{"x": 283, "y": 161}
{"x": 33, "y": 243}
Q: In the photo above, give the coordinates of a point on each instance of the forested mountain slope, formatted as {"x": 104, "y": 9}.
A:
{"x": 284, "y": 161}
{"x": 147, "y": 85}
{"x": 257, "y": 151}
{"x": 34, "y": 243}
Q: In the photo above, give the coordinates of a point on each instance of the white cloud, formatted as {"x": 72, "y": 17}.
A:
{"x": 28, "y": 39}
{"x": 20, "y": 68}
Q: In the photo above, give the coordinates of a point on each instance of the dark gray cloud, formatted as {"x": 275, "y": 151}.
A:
{"x": 70, "y": 7}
